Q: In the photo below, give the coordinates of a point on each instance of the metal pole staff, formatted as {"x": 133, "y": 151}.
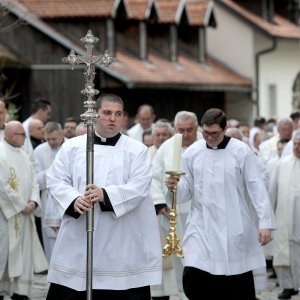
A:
{"x": 89, "y": 118}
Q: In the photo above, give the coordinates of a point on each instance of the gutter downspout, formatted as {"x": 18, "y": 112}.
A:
{"x": 257, "y": 77}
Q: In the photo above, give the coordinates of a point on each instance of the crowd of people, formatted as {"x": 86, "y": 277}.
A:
{"x": 237, "y": 204}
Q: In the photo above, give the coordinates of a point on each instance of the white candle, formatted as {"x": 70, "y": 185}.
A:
{"x": 177, "y": 152}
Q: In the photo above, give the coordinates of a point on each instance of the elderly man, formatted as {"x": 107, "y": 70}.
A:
{"x": 268, "y": 148}
{"x": 230, "y": 217}
{"x": 145, "y": 118}
{"x": 27, "y": 147}
{"x": 21, "y": 251}
{"x": 160, "y": 133}
{"x": 44, "y": 156}
{"x": 285, "y": 195}
{"x": 185, "y": 123}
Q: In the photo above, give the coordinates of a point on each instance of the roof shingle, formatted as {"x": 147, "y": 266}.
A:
{"x": 186, "y": 73}
{"x": 282, "y": 28}
{"x": 67, "y": 8}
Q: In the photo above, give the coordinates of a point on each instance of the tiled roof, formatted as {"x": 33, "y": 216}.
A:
{"x": 281, "y": 28}
{"x": 196, "y": 11}
{"x": 156, "y": 71}
{"x": 136, "y": 9}
{"x": 166, "y": 10}
{"x": 159, "y": 72}
{"x": 70, "y": 8}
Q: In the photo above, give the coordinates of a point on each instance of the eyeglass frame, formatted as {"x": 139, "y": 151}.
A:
{"x": 213, "y": 134}
{"x": 20, "y": 133}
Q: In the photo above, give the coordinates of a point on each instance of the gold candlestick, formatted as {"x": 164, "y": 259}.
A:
{"x": 172, "y": 245}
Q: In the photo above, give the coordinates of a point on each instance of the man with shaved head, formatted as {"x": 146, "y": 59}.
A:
{"x": 21, "y": 251}
{"x": 36, "y": 132}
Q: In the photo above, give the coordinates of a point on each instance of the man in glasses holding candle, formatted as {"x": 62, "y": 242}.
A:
{"x": 167, "y": 158}
{"x": 230, "y": 217}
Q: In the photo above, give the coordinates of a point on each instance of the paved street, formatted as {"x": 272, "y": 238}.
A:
{"x": 40, "y": 288}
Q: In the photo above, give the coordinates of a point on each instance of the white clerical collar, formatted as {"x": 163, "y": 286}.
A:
{"x": 103, "y": 139}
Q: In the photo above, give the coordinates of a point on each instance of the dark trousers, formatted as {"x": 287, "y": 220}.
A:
{"x": 198, "y": 285}
{"x": 59, "y": 292}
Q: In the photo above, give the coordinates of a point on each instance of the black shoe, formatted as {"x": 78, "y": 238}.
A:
{"x": 19, "y": 297}
{"x": 273, "y": 275}
{"x": 287, "y": 294}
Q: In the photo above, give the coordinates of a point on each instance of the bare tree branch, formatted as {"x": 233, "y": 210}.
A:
{"x": 6, "y": 24}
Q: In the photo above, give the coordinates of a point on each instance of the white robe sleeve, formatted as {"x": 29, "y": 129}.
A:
{"x": 158, "y": 188}
{"x": 273, "y": 189}
{"x": 257, "y": 192}
{"x": 59, "y": 181}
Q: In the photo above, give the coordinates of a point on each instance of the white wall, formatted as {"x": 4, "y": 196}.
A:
{"x": 231, "y": 42}
{"x": 234, "y": 43}
{"x": 279, "y": 68}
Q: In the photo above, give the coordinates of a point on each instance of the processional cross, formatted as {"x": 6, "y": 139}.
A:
{"x": 89, "y": 118}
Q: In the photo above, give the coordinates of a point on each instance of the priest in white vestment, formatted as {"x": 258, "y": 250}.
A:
{"x": 230, "y": 217}
{"x": 268, "y": 148}
{"x": 44, "y": 155}
{"x": 127, "y": 251}
{"x": 21, "y": 252}
{"x": 145, "y": 118}
{"x": 285, "y": 195}
{"x": 185, "y": 123}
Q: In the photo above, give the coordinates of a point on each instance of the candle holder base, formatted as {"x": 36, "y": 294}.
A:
{"x": 172, "y": 245}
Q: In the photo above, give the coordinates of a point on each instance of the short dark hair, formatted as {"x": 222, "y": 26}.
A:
{"x": 283, "y": 141}
{"x": 259, "y": 121}
{"x": 214, "y": 116}
{"x": 70, "y": 119}
{"x": 295, "y": 115}
{"x": 40, "y": 103}
{"x": 109, "y": 98}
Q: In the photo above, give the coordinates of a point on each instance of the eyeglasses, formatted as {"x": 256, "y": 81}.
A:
{"x": 20, "y": 133}
{"x": 213, "y": 134}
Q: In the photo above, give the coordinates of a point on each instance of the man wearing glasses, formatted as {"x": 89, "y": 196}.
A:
{"x": 230, "y": 217}
{"x": 21, "y": 251}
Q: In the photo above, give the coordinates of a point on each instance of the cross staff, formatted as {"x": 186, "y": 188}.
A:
{"x": 89, "y": 118}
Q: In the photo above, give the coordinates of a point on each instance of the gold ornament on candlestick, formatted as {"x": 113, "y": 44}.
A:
{"x": 172, "y": 245}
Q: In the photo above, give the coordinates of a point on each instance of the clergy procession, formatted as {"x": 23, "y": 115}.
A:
{"x": 236, "y": 212}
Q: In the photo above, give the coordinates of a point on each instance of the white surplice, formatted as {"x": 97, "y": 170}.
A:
{"x": 136, "y": 132}
{"x": 268, "y": 149}
{"x": 229, "y": 204}
{"x": 285, "y": 195}
{"x": 44, "y": 155}
{"x": 20, "y": 248}
{"x": 127, "y": 249}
